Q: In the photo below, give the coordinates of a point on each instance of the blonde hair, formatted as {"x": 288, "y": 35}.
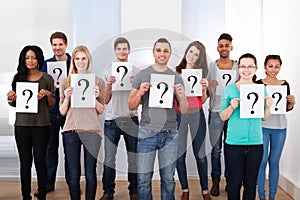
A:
{"x": 73, "y": 69}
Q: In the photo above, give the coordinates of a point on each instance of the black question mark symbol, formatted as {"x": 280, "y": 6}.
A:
{"x": 256, "y": 98}
{"x": 59, "y": 74}
{"x": 279, "y": 98}
{"x": 229, "y": 78}
{"x": 195, "y": 81}
{"x": 30, "y": 95}
{"x": 125, "y": 72}
{"x": 165, "y": 90}
{"x": 86, "y": 86}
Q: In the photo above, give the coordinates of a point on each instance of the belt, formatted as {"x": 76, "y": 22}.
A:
{"x": 127, "y": 119}
{"x": 191, "y": 110}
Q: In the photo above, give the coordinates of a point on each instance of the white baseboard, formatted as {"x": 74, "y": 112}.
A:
{"x": 289, "y": 187}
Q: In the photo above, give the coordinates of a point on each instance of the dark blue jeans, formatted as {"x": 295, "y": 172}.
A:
{"x": 72, "y": 147}
{"x": 197, "y": 124}
{"x": 57, "y": 122}
{"x": 113, "y": 129}
{"x": 216, "y": 129}
{"x": 243, "y": 163}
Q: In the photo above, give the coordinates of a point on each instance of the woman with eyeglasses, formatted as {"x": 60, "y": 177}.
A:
{"x": 243, "y": 144}
{"x": 274, "y": 131}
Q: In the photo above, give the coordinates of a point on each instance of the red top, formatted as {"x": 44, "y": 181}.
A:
{"x": 194, "y": 102}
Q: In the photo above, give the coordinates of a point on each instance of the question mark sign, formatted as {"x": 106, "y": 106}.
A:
{"x": 195, "y": 81}
{"x": 279, "y": 98}
{"x": 229, "y": 78}
{"x": 165, "y": 90}
{"x": 125, "y": 72}
{"x": 86, "y": 86}
{"x": 30, "y": 95}
{"x": 59, "y": 74}
{"x": 256, "y": 98}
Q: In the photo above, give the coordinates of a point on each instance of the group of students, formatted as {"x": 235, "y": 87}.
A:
{"x": 158, "y": 131}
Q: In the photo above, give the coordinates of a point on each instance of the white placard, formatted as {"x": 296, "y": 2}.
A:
{"x": 83, "y": 91}
{"x": 27, "y": 101}
{"x": 122, "y": 71}
{"x": 224, "y": 78}
{"x": 252, "y": 101}
{"x": 58, "y": 70}
{"x": 161, "y": 91}
{"x": 278, "y": 93}
{"x": 191, "y": 79}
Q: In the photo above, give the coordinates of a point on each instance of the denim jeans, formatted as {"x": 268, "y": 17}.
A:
{"x": 243, "y": 163}
{"x": 274, "y": 140}
{"x": 216, "y": 129}
{"x": 113, "y": 129}
{"x": 57, "y": 122}
{"x": 165, "y": 143}
{"x": 197, "y": 124}
{"x": 72, "y": 147}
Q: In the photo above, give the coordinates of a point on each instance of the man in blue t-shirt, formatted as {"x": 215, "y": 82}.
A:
{"x": 59, "y": 44}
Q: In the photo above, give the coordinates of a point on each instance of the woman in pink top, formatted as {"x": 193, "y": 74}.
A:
{"x": 82, "y": 126}
{"x": 194, "y": 58}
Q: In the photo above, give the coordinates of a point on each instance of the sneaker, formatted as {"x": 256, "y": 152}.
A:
{"x": 107, "y": 197}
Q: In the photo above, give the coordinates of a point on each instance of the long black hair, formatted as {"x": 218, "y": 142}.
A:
{"x": 22, "y": 70}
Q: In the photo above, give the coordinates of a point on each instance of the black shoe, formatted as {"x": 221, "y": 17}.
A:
{"x": 107, "y": 197}
{"x": 48, "y": 189}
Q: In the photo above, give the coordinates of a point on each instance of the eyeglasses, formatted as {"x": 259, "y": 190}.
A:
{"x": 247, "y": 67}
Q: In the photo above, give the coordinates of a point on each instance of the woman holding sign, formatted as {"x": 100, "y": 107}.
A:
{"x": 274, "y": 130}
{"x": 82, "y": 126}
{"x": 194, "y": 58}
{"x": 32, "y": 130}
{"x": 243, "y": 144}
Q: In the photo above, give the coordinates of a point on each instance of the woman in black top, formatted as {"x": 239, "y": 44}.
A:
{"x": 32, "y": 130}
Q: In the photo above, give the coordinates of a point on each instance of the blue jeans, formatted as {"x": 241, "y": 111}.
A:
{"x": 57, "y": 122}
{"x": 216, "y": 129}
{"x": 275, "y": 139}
{"x": 197, "y": 124}
{"x": 72, "y": 147}
{"x": 166, "y": 144}
{"x": 113, "y": 129}
{"x": 243, "y": 163}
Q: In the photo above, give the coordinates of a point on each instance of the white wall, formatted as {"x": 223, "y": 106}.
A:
{"x": 23, "y": 23}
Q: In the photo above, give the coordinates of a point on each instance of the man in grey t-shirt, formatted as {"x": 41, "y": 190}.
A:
{"x": 158, "y": 126}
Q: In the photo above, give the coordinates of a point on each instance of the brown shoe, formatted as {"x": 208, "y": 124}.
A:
{"x": 107, "y": 197}
{"x": 185, "y": 196}
{"x": 206, "y": 196}
{"x": 215, "y": 189}
{"x": 48, "y": 189}
{"x": 134, "y": 197}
